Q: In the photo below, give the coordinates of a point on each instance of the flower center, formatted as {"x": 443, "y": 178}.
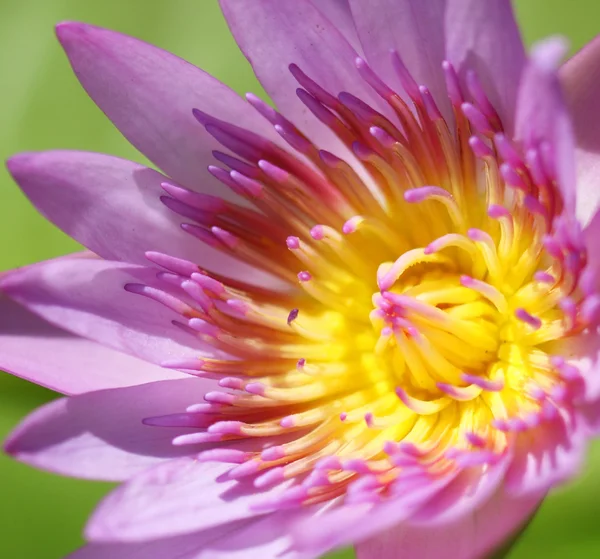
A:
{"x": 425, "y": 294}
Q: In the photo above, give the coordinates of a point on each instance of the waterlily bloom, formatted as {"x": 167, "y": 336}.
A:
{"x": 367, "y": 317}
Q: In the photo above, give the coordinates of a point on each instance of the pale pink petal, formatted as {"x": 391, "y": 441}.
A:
{"x": 149, "y": 95}
{"x": 415, "y": 29}
{"x": 471, "y": 536}
{"x": 34, "y": 349}
{"x": 173, "y": 498}
{"x": 264, "y": 538}
{"x": 549, "y": 455}
{"x": 580, "y": 77}
{"x": 542, "y": 117}
{"x": 484, "y": 37}
{"x": 112, "y": 206}
{"x": 87, "y": 298}
{"x": 100, "y": 435}
{"x": 274, "y": 34}
{"x": 338, "y": 12}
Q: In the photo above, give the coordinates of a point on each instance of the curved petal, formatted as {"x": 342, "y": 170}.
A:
{"x": 415, "y": 29}
{"x": 112, "y": 206}
{"x": 542, "y": 117}
{"x": 100, "y": 435}
{"x": 273, "y": 34}
{"x": 34, "y": 349}
{"x": 580, "y": 77}
{"x": 484, "y": 37}
{"x": 87, "y": 298}
{"x": 149, "y": 95}
{"x": 177, "y": 497}
{"x": 338, "y": 12}
{"x": 468, "y": 537}
{"x": 266, "y": 538}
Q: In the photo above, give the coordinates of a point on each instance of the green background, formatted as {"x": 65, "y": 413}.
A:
{"x": 42, "y": 106}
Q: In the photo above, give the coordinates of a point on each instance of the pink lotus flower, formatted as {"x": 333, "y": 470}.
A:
{"x": 373, "y": 321}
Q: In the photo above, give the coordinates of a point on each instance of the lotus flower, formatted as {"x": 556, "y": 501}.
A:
{"x": 368, "y": 317}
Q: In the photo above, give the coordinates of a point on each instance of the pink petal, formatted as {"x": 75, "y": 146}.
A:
{"x": 580, "y": 77}
{"x": 87, "y": 298}
{"x": 484, "y": 37}
{"x": 149, "y": 95}
{"x": 100, "y": 435}
{"x": 173, "y": 498}
{"x": 45, "y": 354}
{"x": 273, "y": 34}
{"x": 415, "y": 29}
{"x": 112, "y": 206}
{"x": 548, "y": 456}
{"x": 265, "y": 538}
{"x": 468, "y": 537}
{"x": 339, "y": 14}
{"x": 543, "y": 117}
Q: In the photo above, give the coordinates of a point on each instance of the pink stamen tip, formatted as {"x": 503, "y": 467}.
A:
{"x": 372, "y": 79}
{"x": 226, "y": 455}
{"x": 485, "y": 384}
{"x": 240, "y": 307}
{"x": 529, "y": 319}
{"x": 219, "y": 398}
{"x": 274, "y": 172}
{"x": 478, "y": 235}
{"x": 231, "y": 382}
{"x": 304, "y": 276}
{"x": 248, "y": 185}
{"x": 496, "y": 212}
{"x": 391, "y": 447}
{"x": 196, "y": 438}
{"x": 243, "y": 470}
{"x": 301, "y": 362}
{"x": 287, "y": 422}
{"x": 369, "y": 419}
{"x": 452, "y": 84}
{"x": 357, "y": 465}
{"x": 512, "y": 177}
{"x": 229, "y": 240}
{"x": 382, "y": 137}
{"x": 293, "y": 243}
{"x": 257, "y": 388}
{"x": 317, "y": 232}
{"x": 226, "y": 428}
{"x": 343, "y": 416}
{"x": 273, "y": 453}
{"x": 475, "y": 439}
{"x": 272, "y": 477}
{"x": 292, "y": 316}
{"x": 477, "y": 119}
{"x": 543, "y": 277}
{"x": 424, "y": 192}
{"x": 351, "y": 225}
{"x": 467, "y": 281}
{"x": 480, "y": 148}
{"x": 430, "y": 107}
{"x": 177, "y": 265}
{"x": 406, "y": 79}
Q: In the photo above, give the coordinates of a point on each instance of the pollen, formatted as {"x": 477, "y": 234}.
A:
{"x": 425, "y": 286}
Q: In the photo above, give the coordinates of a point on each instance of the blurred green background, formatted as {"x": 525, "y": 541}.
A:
{"x": 42, "y": 106}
